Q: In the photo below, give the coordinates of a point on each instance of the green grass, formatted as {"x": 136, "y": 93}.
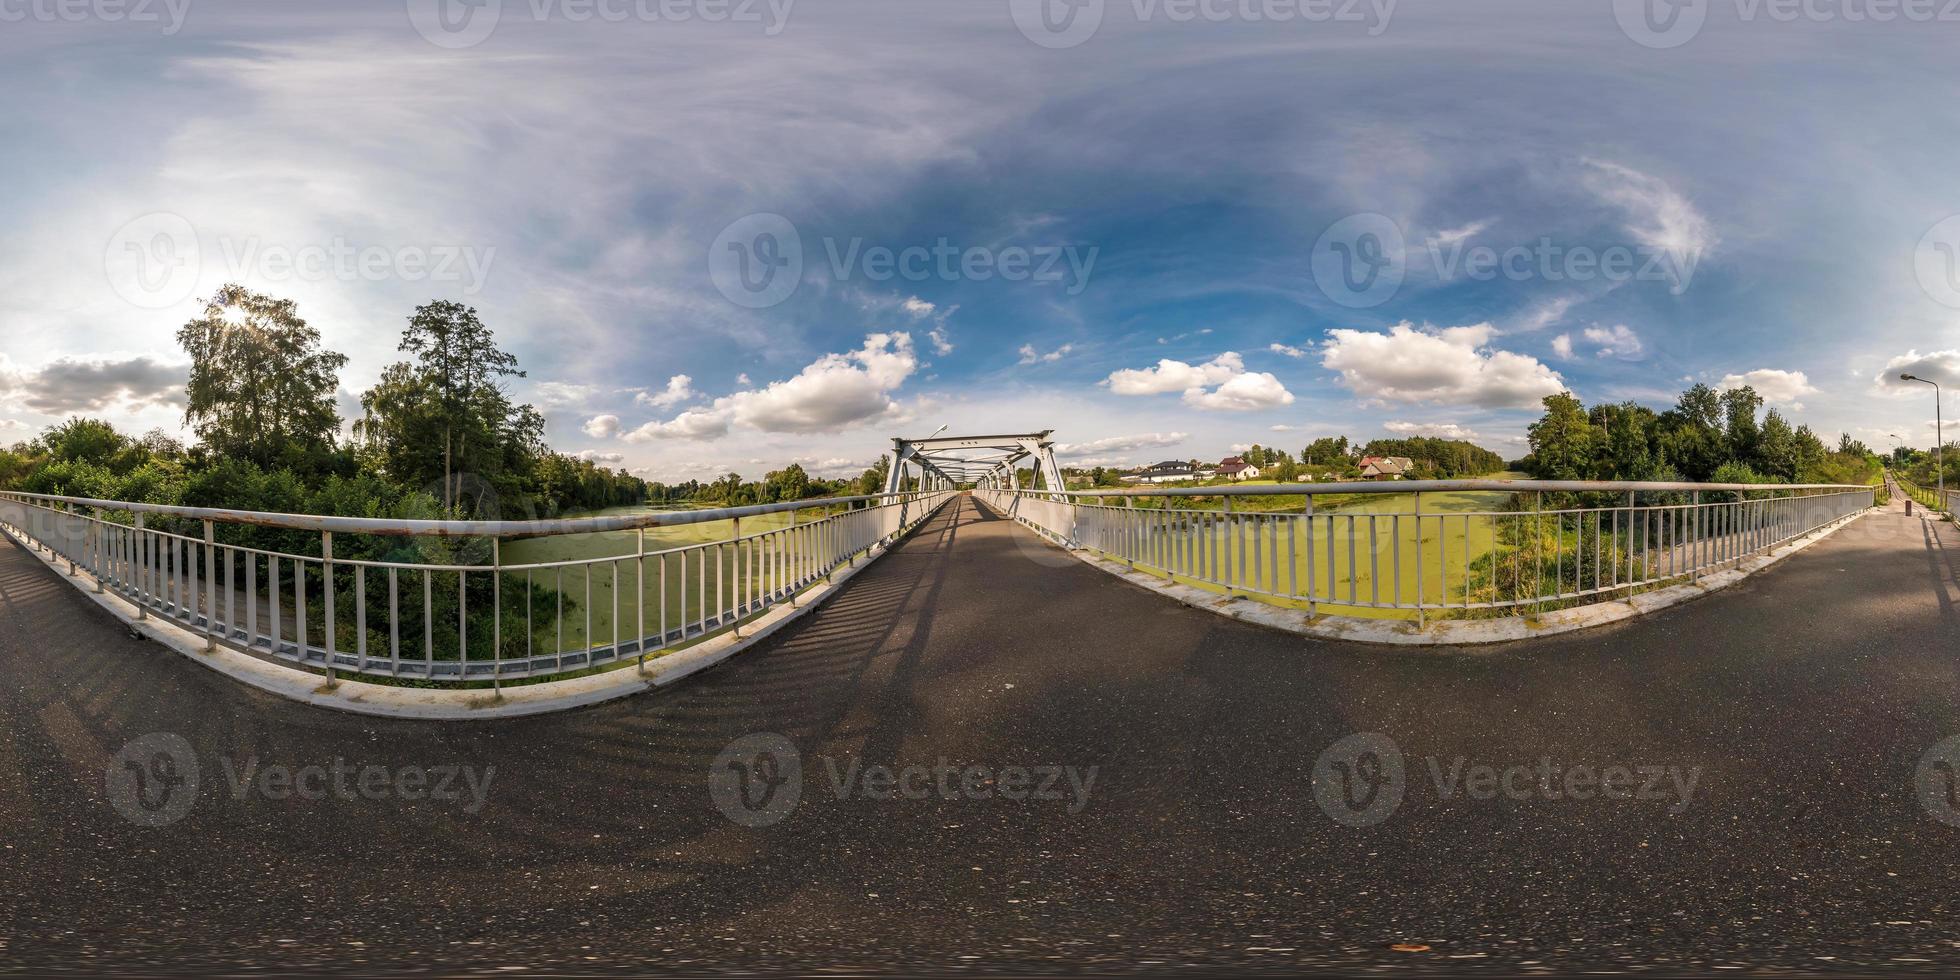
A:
{"x": 1447, "y": 544}
{"x": 688, "y": 580}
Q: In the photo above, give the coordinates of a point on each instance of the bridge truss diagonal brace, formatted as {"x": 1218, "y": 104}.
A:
{"x": 991, "y": 460}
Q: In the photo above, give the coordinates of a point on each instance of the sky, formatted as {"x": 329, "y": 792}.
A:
{"x": 730, "y": 234}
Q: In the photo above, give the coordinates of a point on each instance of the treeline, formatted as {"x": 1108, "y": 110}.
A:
{"x": 1708, "y": 436}
{"x": 1441, "y": 459}
{"x": 438, "y": 435}
{"x": 791, "y": 482}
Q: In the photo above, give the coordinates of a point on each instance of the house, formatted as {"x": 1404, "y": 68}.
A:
{"x": 1236, "y": 468}
{"x": 1386, "y": 467}
{"x": 1168, "y": 471}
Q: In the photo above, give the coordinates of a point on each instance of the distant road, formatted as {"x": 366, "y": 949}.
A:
{"x": 1800, "y": 701}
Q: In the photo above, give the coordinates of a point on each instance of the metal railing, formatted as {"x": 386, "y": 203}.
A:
{"x": 1448, "y": 547}
{"x": 1926, "y": 497}
{"x": 436, "y": 601}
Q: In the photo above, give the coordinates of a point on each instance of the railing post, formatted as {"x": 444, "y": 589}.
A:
{"x": 211, "y": 590}
{"x": 738, "y": 564}
{"x": 139, "y": 551}
{"x": 102, "y": 562}
{"x": 326, "y": 582}
{"x": 1694, "y": 554}
{"x": 497, "y": 615}
{"x": 1422, "y": 613}
{"x": 640, "y": 596}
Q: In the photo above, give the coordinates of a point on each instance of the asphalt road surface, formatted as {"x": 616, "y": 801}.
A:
{"x": 1012, "y": 762}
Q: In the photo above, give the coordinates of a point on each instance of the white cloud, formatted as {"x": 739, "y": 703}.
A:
{"x": 1657, "y": 216}
{"x": 1942, "y": 367}
{"x": 1615, "y": 341}
{"x": 1031, "y": 356}
{"x": 1120, "y": 444}
{"x": 1452, "y": 366}
{"x": 940, "y": 345}
{"x": 833, "y": 393}
{"x": 691, "y": 424}
{"x": 558, "y": 394}
{"x": 1456, "y": 236}
{"x": 1776, "y": 387}
{"x": 1248, "y": 392}
{"x": 1438, "y": 430}
{"x": 1562, "y": 346}
{"x": 601, "y": 426}
{"x": 1220, "y": 384}
{"x": 1169, "y": 376}
{"x": 920, "y": 309}
{"x": 1287, "y": 349}
{"x": 1543, "y": 315}
{"x": 680, "y": 388}
{"x": 91, "y": 384}
{"x": 594, "y": 456}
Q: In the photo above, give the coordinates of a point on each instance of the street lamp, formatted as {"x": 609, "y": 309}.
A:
{"x": 1939, "y": 431}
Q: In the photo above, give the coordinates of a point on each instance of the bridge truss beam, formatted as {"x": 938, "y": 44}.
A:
{"x": 986, "y": 460}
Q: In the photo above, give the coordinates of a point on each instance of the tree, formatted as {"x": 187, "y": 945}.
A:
{"x": 260, "y": 388}
{"x": 788, "y": 483}
{"x": 1739, "y": 407}
{"x": 448, "y": 404}
{"x": 873, "y": 479}
{"x": 461, "y": 363}
{"x": 1562, "y": 441}
{"x": 1776, "y": 448}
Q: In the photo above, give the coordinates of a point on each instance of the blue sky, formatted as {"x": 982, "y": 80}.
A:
{"x": 1162, "y": 212}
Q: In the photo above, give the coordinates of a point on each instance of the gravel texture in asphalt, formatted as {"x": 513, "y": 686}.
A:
{"x": 994, "y": 758}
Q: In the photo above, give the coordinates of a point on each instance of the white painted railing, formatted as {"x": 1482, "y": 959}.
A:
{"x": 1449, "y": 547}
{"x": 435, "y": 601}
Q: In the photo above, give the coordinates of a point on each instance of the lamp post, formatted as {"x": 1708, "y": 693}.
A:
{"x": 1939, "y": 432}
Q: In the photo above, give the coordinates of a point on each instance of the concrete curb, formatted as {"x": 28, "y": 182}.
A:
{"x": 1457, "y": 632}
{"x": 438, "y": 704}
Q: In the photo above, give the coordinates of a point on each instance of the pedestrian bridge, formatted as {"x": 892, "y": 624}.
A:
{"x": 480, "y": 604}
{"x": 1807, "y": 698}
